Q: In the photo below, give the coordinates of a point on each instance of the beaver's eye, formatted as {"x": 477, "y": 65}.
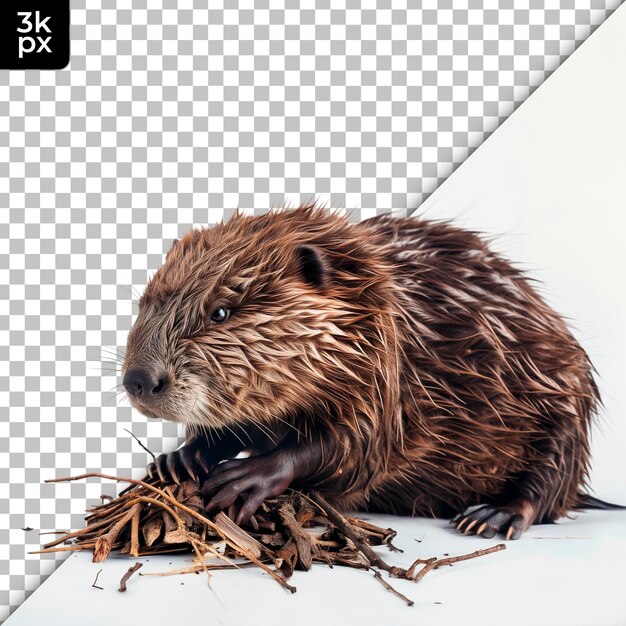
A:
{"x": 220, "y": 315}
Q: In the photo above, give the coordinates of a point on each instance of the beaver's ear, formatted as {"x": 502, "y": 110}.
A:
{"x": 313, "y": 265}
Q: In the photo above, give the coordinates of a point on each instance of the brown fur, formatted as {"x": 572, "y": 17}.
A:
{"x": 443, "y": 379}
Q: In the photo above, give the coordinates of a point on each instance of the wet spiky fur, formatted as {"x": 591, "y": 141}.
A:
{"x": 442, "y": 377}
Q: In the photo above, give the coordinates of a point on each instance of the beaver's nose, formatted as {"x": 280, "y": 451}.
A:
{"x": 144, "y": 383}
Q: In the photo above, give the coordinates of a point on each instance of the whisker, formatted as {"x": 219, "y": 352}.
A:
{"x": 116, "y": 358}
{"x": 236, "y": 435}
{"x": 122, "y": 397}
{"x": 212, "y": 432}
{"x": 108, "y": 370}
{"x": 284, "y": 421}
{"x": 208, "y": 433}
{"x": 263, "y": 427}
{"x": 110, "y": 350}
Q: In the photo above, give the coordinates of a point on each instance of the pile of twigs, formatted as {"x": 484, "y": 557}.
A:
{"x": 289, "y": 532}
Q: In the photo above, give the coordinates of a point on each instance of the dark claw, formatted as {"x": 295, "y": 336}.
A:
{"x": 250, "y": 506}
{"x": 201, "y": 461}
{"x": 161, "y": 467}
{"x": 186, "y": 459}
{"x": 488, "y": 520}
{"x": 171, "y": 463}
{"x": 180, "y": 464}
{"x": 516, "y": 528}
{"x": 468, "y": 528}
{"x": 489, "y": 532}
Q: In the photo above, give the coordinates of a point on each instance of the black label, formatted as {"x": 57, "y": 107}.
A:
{"x": 34, "y": 35}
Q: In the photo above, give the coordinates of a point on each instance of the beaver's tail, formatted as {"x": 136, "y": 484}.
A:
{"x": 585, "y": 501}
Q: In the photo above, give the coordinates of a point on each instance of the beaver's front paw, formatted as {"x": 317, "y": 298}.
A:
{"x": 261, "y": 477}
{"x": 188, "y": 461}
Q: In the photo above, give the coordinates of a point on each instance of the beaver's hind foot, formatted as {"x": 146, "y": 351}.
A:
{"x": 486, "y": 520}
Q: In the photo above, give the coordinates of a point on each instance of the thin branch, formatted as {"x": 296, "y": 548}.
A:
{"x": 78, "y": 546}
{"x": 411, "y": 571}
{"x": 386, "y": 585}
{"x": 134, "y": 533}
{"x": 141, "y": 444}
{"x": 434, "y": 564}
{"x": 194, "y": 569}
{"x": 96, "y": 580}
{"x": 128, "y": 574}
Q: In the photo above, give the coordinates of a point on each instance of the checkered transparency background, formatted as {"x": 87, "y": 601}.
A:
{"x": 175, "y": 116}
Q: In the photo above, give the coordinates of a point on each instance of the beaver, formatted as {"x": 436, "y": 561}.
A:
{"x": 396, "y": 365}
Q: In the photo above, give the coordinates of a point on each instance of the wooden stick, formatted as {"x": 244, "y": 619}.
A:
{"x": 298, "y": 534}
{"x": 128, "y": 574}
{"x": 128, "y": 488}
{"x": 107, "y": 507}
{"x": 105, "y": 542}
{"x": 386, "y": 585}
{"x": 96, "y": 580}
{"x": 173, "y": 550}
{"x": 434, "y": 564}
{"x": 387, "y": 533}
{"x": 411, "y": 571}
{"x": 198, "y": 568}
{"x": 79, "y": 546}
{"x": 338, "y": 559}
{"x": 134, "y": 533}
{"x": 141, "y": 444}
{"x": 194, "y": 545}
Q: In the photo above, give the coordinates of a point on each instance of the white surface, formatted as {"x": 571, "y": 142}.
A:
{"x": 550, "y": 183}
{"x": 552, "y": 180}
{"x": 540, "y": 579}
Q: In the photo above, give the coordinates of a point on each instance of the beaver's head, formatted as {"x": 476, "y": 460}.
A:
{"x": 259, "y": 319}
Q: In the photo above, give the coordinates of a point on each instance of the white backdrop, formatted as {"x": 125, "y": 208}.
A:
{"x": 552, "y": 183}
